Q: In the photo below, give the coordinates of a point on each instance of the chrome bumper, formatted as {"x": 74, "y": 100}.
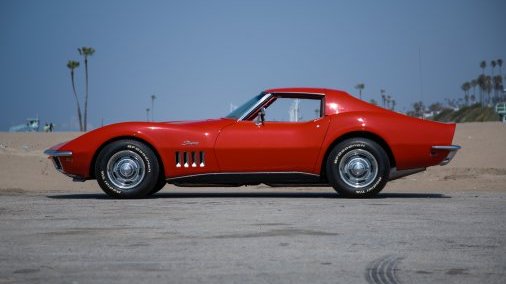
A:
{"x": 55, "y": 156}
{"x": 452, "y": 150}
{"x": 56, "y": 153}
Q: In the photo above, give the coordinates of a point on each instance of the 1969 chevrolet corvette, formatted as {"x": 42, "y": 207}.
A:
{"x": 289, "y": 136}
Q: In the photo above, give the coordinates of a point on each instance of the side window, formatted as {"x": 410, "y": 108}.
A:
{"x": 293, "y": 110}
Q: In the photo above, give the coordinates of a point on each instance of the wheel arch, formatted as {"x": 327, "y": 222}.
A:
{"x": 102, "y": 146}
{"x": 357, "y": 134}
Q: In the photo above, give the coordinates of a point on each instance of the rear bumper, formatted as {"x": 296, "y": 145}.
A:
{"x": 452, "y": 151}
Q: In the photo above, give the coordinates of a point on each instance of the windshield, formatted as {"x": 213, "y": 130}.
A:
{"x": 240, "y": 111}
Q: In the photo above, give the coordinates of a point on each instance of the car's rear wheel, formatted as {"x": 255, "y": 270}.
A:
{"x": 127, "y": 169}
{"x": 358, "y": 167}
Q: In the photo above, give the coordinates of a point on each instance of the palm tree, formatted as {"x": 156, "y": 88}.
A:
{"x": 153, "y": 97}
{"x": 474, "y": 83}
{"x": 472, "y": 98}
{"x": 389, "y": 99}
{"x": 499, "y": 62}
{"x": 86, "y": 51}
{"x": 393, "y": 104}
{"x": 383, "y": 97}
{"x": 360, "y": 87}
{"x": 493, "y": 64}
{"x": 483, "y": 65}
{"x": 73, "y": 65}
{"x": 147, "y": 114}
{"x": 501, "y": 87}
{"x": 466, "y": 87}
{"x": 418, "y": 108}
{"x": 497, "y": 85}
{"x": 482, "y": 85}
{"x": 488, "y": 87}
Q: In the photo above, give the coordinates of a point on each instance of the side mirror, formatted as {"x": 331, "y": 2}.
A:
{"x": 261, "y": 117}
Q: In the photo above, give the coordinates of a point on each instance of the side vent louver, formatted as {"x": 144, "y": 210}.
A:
{"x": 183, "y": 159}
{"x": 194, "y": 164}
{"x": 178, "y": 160}
{"x": 202, "y": 161}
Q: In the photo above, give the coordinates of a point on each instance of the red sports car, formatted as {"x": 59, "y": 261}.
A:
{"x": 289, "y": 136}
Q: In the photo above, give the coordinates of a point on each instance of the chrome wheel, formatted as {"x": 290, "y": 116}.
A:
{"x": 126, "y": 169}
{"x": 358, "y": 168}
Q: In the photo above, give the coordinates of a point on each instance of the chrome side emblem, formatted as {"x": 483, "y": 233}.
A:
{"x": 189, "y": 143}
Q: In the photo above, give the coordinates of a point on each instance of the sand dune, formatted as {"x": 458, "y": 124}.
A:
{"x": 479, "y": 166}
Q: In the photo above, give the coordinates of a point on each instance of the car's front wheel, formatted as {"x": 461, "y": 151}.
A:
{"x": 358, "y": 167}
{"x": 127, "y": 169}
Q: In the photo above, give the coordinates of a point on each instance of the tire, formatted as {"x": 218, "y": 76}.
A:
{"x": 127, "y": 169}
{"x": 159, "y": 185}
{"x": 358, "y": 168}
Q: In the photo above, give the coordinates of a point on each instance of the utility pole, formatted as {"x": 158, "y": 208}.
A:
{"x": 153, "y": 97}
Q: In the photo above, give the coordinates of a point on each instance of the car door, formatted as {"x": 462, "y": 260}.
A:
{"x": 289, "y": 139}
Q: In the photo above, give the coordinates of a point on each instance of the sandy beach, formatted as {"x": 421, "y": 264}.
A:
{"x": 480, "y": 166}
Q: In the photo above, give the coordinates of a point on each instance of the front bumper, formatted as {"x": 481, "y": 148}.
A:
{"x": 56, "y": 156}
{"x": 56, "y": 153}
{"x": 452, "y": 151}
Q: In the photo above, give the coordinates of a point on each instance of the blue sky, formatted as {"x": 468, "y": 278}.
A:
{"x": 197, "y": 57}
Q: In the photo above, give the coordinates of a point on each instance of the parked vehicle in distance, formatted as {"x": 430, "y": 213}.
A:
{"x": 288, "y": 136}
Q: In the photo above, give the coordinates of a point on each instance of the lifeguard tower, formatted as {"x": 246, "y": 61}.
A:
{"x": 500, "y": 108}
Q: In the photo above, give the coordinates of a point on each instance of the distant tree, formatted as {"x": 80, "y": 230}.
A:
{"x": 147, "y": 114}
{"x": 383, "y": 97}
{"x": 499, "y": 62}
{"x": 418, "y": 109}
{"x": 474, "y": 83}
{"x": 388, "y": 101}
{"x": 488, "y": 87}
{"x": 374, "y": 102}
{"x": 436, "y": 107}
{"x": 393, "y": 104}
{"x": 497, "y": 86}
{"x": 85, "y": 52}
{"x": 153, "y": 97}
{"x": 73, "y": 65}
{"x": 466, "y": 87}
{"x": 483, "y": 65}
{"x": 360, "y": 87}
{"x": 452, "y": 103}
{"x": 482, "y": 82}
{"x": 473, "y": 99}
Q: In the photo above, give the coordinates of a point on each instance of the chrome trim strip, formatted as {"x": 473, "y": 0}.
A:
{"x": 242, "y": 173}
{"x": 56, "y": 153}
{"x": 298, "y": 93}
{"x": 251, "y": 109}
{"x": 450, "y": 147}
{"x": 395, "y": 173}
{"x": 452, "y": 152}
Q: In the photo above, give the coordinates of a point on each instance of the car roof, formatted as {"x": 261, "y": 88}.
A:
{"x": 298, "y": 90}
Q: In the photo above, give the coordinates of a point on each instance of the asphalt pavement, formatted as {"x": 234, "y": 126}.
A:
{"x": 248, "y": 236}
